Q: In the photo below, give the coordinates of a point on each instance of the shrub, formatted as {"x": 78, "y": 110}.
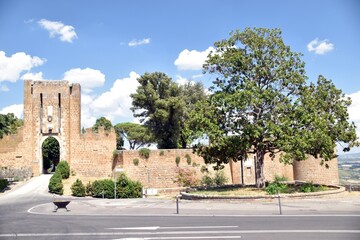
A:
{"x": 162, "y": 153}
{"x": 188, "y": 159}
{"x": 207, "y": 180}
{"x": 55, "y": 185}
{"x": 177, "y": 160}
{"x": 103, "y": 187}
{"x": 220, "y": 178}
{"x": 136, "y": 161}
{"x": 88, "y": 189}
{"x": 3, "y": 184}
{"x": 310, "y": 187}
{"x": 144, "y": 152}
{"x": 127, "y": 188}
{"x": 276, "y": 187}
{"x": 64, "y": 169}
{"x": 186, "y": 177}
{"x": 78, "y": 188}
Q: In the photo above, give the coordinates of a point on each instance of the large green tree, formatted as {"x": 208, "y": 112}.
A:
{"x": 9, "y": 124}
{"x": 260, "y": 97}
{"x": 102, "y": 122}
{"x": 136, "y": 134}
{"x": 163, "y": 107}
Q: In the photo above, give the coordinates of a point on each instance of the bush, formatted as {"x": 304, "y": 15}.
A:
{"x": 88, "y": 189}
{"x": 144, "y": 152}
{"x": 3, "y": 184}
{"x": 186, "y": 177}
{"x": 310, "y": 187}
{"x": 188, "y": 159}
{"x": 177, "y": 160}
{"x": 126, "y": 188}
{"x": 78, "y": 188}
{"x": 220, "y": 178}
{"x": 207, "y": 180}
{"x": 104, "y": 187}
{"x": 136, "y": 161}
{"x": 276, "y": 187}
{"x": 64, "y": 169}
{"x": 55, "y": 184}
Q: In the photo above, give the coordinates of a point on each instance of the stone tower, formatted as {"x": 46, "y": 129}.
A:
{"x": 51, "y": 108}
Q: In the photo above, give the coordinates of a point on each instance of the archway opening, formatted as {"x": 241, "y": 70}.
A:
{"x": 50, "y": 154}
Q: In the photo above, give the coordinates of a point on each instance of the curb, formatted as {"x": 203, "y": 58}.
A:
{"x": 189, "y": 196}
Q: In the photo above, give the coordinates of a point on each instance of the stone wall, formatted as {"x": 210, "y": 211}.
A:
{"x": 160, "y": 170}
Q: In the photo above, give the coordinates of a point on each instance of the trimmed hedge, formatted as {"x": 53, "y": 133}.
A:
{"x": 78, "y": 188}
{"x": 55, "y": 185}
{"x": 3, "y": 184}
{"x": 64, "y": 169}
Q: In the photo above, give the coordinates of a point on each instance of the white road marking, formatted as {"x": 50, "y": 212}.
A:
{"x": 157, "y": 227}
{"x": 205, "y": 237}
{"x": 206, "y": 233}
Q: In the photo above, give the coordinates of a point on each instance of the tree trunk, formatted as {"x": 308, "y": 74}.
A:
{"x": 259, "y": 169}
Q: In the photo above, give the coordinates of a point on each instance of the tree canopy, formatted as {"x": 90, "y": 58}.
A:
{"x": 9, "y": 124}
{"x": 136, "y": 134}
{"x": 163, "y": 107}
{"x": 51, "y": 152}
{"x": 102, "y": 122}
{"x": 260, "y": 98}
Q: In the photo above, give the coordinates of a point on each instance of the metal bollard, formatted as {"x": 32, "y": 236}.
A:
{"x": 177, "y": 204}
{"x": 279, "y": 198}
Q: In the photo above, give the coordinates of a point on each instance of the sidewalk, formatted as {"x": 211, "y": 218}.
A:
{"x": 340, "y": 204}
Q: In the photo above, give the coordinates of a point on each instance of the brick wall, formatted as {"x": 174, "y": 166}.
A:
{"x": 311, "y": 170}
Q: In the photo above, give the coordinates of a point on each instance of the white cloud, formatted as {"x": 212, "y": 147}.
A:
{"x": 16, "y": 109}
{"x": 135, "y": 42}
{"x": 113, "y": 103}
{"x": 11, "y": 67}
{"x": 32, "y": 76}
{"x": 183, "y": 81}
{"x": 192, "y": 60}
{"x": 66, "y": 33}
{"x": 320, "y": 46}
{"x": 88, "y": 78}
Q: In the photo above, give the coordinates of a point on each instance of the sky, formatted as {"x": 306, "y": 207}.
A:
{"x": 106, "y": 45}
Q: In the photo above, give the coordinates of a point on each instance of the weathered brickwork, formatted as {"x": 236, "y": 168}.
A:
{"x": 53, "y": 108}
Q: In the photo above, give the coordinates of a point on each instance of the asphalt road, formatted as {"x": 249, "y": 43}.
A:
{"x": 17, "y": 223}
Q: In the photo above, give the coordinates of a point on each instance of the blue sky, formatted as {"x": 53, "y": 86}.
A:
{"x": 106, "y": 45}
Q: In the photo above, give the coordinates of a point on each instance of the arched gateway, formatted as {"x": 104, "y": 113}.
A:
{"x": 53, "y": 109}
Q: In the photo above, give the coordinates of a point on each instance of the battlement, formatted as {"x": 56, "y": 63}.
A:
{"x": 101, "y": 133}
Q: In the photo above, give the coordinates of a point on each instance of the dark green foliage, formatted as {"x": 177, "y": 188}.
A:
{"x": 177, "y": 160}
{"x": 260, "y": 96}
{"x": 103, "y": 187}
{"x": 136, "y": 161}
{"x": 9, "y": 124}
{"x": 51, "y": 152}
{"x": 277, "y": 186}
{"x": 207, "y": 180}
{"x": 64, "y": 169}
{"x": 144, "y": 152}
{"x": 78, "y": 188}
{"x": 310, "y": 187}
{"x": 220, "y": 178}
{"x": 88, "y": 189}
{"x": 102, "y": 122}
{"x": 188, "y": 159}
{"x": 3, "y": 184}
{"x": 55, "y": 185}
{"x": 217, "y": 180}
{"x": 137, "y": 135}
{"x": 164, "y": 107}
{"x": 127, "y": 188}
